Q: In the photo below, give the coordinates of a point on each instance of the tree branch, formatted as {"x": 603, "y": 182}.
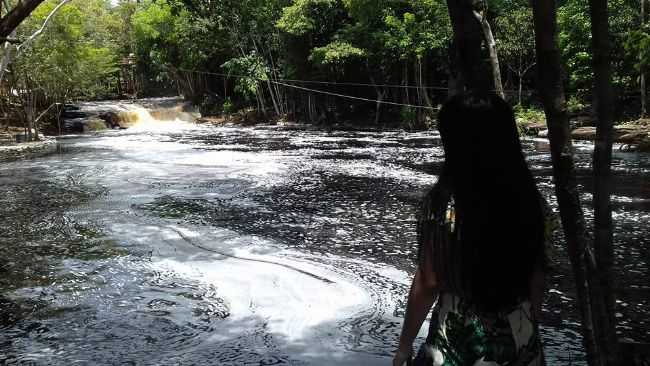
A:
{"x": 16, "y": 16}
{"x": 31, "y": 38}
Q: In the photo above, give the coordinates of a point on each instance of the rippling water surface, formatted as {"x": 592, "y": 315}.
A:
{"x": 183, "y": 244}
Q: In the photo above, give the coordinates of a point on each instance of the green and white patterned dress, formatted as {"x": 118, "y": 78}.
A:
{"x": 460, "y": 336}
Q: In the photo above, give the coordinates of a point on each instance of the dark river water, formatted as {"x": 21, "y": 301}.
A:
{"x": 179, "y": 244}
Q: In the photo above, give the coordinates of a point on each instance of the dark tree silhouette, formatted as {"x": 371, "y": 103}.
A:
{"x": 16, "y": 16}
{"x": 604, "y": 299}
{"x": 551, "y": 90}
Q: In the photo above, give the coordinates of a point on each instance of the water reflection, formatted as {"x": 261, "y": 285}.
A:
{"x": 204, "y": 245}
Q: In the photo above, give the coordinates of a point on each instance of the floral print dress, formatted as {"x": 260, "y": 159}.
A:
{"x": 459, "y": 336}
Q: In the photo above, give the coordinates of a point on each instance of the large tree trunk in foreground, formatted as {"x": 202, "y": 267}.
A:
{"x": 604, "y": 312}
{"x": 552, "y": 93}
{"x": 466, "y": 55}
{"x": 16, "y": 16}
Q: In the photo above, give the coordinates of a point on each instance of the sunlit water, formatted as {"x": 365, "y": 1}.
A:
{"x": 171, "y": 243}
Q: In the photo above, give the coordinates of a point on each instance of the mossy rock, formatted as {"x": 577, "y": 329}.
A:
{"x": 94, "y": 124}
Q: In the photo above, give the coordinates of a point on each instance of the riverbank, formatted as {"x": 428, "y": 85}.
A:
{"x": 28, "y": 150}
{"x": 631, "y": 136}
{"x": 634, "y": 135}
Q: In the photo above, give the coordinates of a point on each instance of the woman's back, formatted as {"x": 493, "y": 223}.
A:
{"x": 460, "y": 332}
{"x": 481, "y": 243}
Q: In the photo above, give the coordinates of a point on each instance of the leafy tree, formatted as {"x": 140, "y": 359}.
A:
{"x": 575, "y": 40}
{"x": 516, "y": 43}
{"x": 74, "y": 57}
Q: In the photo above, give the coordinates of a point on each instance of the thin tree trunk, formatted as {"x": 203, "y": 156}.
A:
{"x": 423, "y": 89}
{"x": 519, "y": 92}
{"x": 551, "y": 90}
{"x": 420, "y": 91}
{"x": 7, "y": 50}
{"x": 492, "y": 49}
{"x": 405, "y": 83}
{"x": 268, "y": 83}
{"x": 276, "y": 107}
{"x": 642, "y": 77}
{"x": 260, "y": 98}
{"x": 380, "y": 97}
{"x": 603, "y": 181}
{"x": 644, "y": 97}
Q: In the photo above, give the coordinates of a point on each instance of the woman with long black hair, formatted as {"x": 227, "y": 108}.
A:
{"x": 482, "y": 233}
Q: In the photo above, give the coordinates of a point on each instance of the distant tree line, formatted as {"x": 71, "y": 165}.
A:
{"x": 394, "y": 60}
{"x": 401, "y": 51}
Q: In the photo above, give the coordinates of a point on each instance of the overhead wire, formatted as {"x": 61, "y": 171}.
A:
{"x": 287, "y": 83}
{"x": 353, "y": 97}
{"x": 236, "y": 76}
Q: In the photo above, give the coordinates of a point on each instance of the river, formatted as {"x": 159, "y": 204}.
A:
{"x": 182, "y": 244}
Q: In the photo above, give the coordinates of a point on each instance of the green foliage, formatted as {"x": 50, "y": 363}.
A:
{"x": 574, "y": 104}
{"x": 575, "y": 41}
{"x": 515, "y": 38}
{"x": 228, "y": 106}
{"x": 76, "y": 55}
{"x": 304, "y": 16}
{"x": 637, "y": 45}
{"x": 336, "y": 53}
{"x": 408, "y": 115}
{"x": 527, "y": 116}
{"x": 167, "y": 38}
{"x": 423, "y": 28}
{"x": 363, "y": 41}
{"x": 248, "y": 70}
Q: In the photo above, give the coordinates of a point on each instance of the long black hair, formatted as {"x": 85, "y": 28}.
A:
{"x": 498, "y": 234}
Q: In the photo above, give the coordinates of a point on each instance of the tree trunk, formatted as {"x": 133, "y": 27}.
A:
{"x": 551, "y": 90}
{"x": 276, "y": 107}
{"x": 644, "y": 97}
{"x": 492, "y": 49}
{"x": 380, "y": 97}
{"x": 423, "y": 98}
{"x": 642, "y": 77}
{"x": 16, "y": 16}
{"x": 521, "y": 81}
{"x": 423, "y": 89}
{"x": 603, "y": 181}
{"x": 406, "y": 99}
{"x": 466, "y": 45}
{"x": 455, "y": 83}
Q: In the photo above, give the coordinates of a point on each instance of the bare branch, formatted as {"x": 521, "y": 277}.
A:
{"x": 31, "y": 38}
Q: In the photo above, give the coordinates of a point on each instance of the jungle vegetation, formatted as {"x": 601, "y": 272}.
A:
{"x": 268, "y": 55}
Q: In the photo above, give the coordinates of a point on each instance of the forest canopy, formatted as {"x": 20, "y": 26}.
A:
{"x": 391, "y": 60}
